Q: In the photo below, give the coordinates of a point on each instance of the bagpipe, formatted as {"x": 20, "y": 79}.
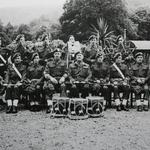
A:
{"x": 30, "y": 86}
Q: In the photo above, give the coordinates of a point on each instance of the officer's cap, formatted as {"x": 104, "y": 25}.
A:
{"x": 44, "y": 36}
{"x": 57, "y": 50}
{"x": 92, "y": 37}
{"x": 34, "y": 55}
{"x": 19, "y": 37}
{"x": 138, "y": 54}
{"x": 15, "y": 56}
{"x": 99, "y": 54}
{"x": 117, "y": 55}
{"x": 78, "y": 53}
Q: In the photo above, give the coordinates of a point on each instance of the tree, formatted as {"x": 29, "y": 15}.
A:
{"x": 80, "y": 14}
{"x": 104, "y": 35}
{"x": 25, "y": 29}
{"x": 55, "y": 31}
{"x": 141, "y": 18}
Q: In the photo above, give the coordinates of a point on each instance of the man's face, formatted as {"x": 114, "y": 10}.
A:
{"x": 17, "y": 60}
{"x": 57, "y": 55}
{"x": 139, "y": 59}
{"x": 93, "y": 41}
{"x": 22, "y": 39}
{"x": 71, "y": 39}
{"x": 36, "y": 59}
{"x": 30, "y": 46}
{"x": 79, "y": 57}
{"x": 100, "y": 59}
{"x": 119, "y": 59}
{"x": 120, "y": 39}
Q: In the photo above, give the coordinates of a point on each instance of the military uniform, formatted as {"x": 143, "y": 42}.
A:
{"x": 91, "y": 51}
{"x": 79, "y": 72}
{"x": 90, "y": 54}
{"x": 13, "y": 92}
{"x": 119, "y": 84}
{"x": 139, "y": 83}
{"x": 34, "y": 78}
{"x": 100, "y": 74}
{"x": 56, "y": 69}
{"x": 12, "y": 78}
{"x": 5, "y": 53}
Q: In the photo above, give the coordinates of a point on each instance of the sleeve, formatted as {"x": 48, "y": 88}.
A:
{"x": 7, "y": 75}
{"x": 65, "y": 75}
{"x": 24, "y": 73}
{"x": 46, "y": 70}
{"x": 89, "y": 74}
{"x": 127, "y": 72}
{"x": 70, "y": 72}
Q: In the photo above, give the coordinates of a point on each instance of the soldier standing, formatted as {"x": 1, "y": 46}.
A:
{"x": 91, "y": 50}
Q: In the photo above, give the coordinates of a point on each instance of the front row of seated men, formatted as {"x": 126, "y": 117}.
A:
{"x": 79, "y": 79}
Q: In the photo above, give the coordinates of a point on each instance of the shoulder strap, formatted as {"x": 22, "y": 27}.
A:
{"x": 2, "y": 58}
{"x": 16, "y": 70}
{"x": 119, "y": 71}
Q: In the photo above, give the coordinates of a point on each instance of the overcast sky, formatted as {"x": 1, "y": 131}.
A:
{"x": 15, "y": 3}
{"x": 24, "y": 11}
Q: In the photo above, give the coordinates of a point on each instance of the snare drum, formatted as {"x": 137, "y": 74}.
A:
{"x": 78, "y": 108}
{"x": 60, "y": 106}
{"x": 95, "y": 106}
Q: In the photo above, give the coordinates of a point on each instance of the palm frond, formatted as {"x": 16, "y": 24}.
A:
{"x": 101, "y": 30}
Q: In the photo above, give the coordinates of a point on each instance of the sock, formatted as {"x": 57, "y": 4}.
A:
{"x": 124, "y": 102}
{"x": 15, "y": 102}
{"x": 49, "y": 102}
{"x": 138, "y": 102}
{"x": 117, "y": 101}
{"x": 9, "y": 102}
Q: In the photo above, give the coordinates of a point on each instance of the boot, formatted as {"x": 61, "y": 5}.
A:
{"x": 118, "y": 108}
{"x": 139, "y": 108}
{"x": 15, "y": 110}
{"x": 48, "y": 109}
{"x": 9, "y": 110}
{"x": 125, "y": 108}
{"x": 31, "y": 107}
{"x": 145, "y": 108}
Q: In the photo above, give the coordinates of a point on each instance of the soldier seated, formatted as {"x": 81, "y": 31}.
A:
{"x": 139, "y": 82}
{"x": 79, "y": 72}
{"x": 55, "y": 74}
{"x": 34, "y": 78}
{"x": 14, "y": 77}
{"x": 119, "y": 80}
{"x": 100, "y": 75}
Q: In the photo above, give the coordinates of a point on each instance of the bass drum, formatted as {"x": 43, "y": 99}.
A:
{"x": 95, "y": 106}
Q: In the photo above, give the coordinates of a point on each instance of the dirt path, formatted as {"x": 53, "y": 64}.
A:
{"x": 37, "y": 131}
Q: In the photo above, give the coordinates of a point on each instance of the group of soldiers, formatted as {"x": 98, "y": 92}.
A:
{"x": 37, "y": 71}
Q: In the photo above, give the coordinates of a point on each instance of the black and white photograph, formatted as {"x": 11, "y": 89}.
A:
{"x": 74, "y": 74}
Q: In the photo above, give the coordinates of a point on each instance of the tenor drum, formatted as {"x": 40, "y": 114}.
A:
{"x": 78, "y": 108}
{"x": 60, "y": 106}
{"x": 95, "y": 106}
